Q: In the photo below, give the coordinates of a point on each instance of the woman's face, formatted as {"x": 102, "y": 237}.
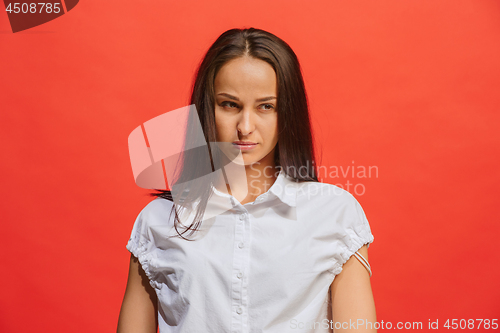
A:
{"x": 246, "y": 109}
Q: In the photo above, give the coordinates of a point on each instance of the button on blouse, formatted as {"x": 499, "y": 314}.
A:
{"x": 264, "y": 266}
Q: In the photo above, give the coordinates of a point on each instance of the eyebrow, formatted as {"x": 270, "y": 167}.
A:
{"x": 236, "y": 98}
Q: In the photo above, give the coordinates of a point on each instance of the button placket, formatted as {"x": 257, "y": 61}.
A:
{"x": 240, "y": 261}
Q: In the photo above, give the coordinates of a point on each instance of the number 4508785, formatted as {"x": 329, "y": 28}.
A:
{"x": 471, "y": 324}
{"x": 33, "y": 8}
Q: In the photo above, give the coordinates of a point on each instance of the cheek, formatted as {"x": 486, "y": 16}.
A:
{"x": 273, "y": 130}
{"x": 222, "y": 126}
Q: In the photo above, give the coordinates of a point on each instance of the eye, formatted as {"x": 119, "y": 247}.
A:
{"x": 229, "y": 104}
{"x": 268, "y": 107}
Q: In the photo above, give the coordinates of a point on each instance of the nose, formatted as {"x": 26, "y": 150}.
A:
{"x": 246, "y": 123}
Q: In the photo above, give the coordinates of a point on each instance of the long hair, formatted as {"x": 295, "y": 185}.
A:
{"x": 294, "y": 150}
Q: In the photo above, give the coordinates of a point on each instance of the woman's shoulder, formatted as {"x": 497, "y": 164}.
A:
{"x": 324, "y": 192}
{"x": 338, "y": 207}
{"x": 158, "y": 208}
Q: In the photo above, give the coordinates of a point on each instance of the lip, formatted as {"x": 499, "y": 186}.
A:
{"x": 244, "y": 145}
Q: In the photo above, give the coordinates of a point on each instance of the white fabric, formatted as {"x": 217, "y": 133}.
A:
{"x": 265, "y": 266}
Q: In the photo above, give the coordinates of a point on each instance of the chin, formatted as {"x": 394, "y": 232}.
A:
{"x": 248, "y": 161}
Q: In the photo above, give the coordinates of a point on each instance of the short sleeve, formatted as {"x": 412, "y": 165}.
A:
{"x": 353, "y": 231}
{"x": 141, "y": 242}
{"x": 137, "y": 244}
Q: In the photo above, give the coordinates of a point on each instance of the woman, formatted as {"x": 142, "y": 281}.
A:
{"x": 289, "y": 254}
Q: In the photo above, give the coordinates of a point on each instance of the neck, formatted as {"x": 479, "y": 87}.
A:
{"x": 245, "y": 187}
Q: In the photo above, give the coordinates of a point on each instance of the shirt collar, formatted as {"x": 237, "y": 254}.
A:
{"x": 284, "y": 188}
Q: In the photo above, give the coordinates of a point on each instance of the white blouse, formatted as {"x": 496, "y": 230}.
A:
{"x": 265, "y": 266}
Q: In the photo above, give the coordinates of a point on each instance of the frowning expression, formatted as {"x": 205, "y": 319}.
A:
{"x": 246, "y": 108}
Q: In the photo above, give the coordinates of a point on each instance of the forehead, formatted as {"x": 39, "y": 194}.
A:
{"x": 246, "y": 75}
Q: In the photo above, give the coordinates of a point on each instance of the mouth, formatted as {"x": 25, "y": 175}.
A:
{"x": 244, "y": 145}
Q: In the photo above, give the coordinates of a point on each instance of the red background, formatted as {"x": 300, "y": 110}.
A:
{"x": 408, "y": 86}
